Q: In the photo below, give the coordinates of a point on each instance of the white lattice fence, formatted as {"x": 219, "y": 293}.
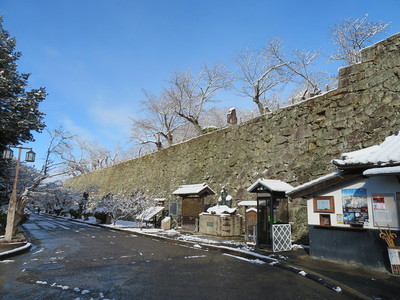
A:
{"x": 281, "y": 237}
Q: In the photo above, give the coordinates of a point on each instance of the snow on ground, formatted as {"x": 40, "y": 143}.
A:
{"x": 297, "y": 247}
{"x": 253, "y": 261}
{"x": 38, "y": 251}
{"x": 302, "y": 273}
{"x": 6, "y": 261}
{"x": 77, "y": 290}
{"x": 195, "y": 256}
{"x": 210, "y": 241}
{"x": 337, "y": 289}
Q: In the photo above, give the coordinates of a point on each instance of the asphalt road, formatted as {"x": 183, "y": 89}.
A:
{"x": 77, "y": 261}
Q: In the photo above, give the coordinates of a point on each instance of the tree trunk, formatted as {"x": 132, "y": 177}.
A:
{"x": 198, "y": 128}
{"x": 256, "y": 100}
{"x": 22, "y": 202}
{"x": 194, "y": 121}
{"x": 169, "y": 138}
{"x": 158, "y": 145}
{"x": 19, "y": 213}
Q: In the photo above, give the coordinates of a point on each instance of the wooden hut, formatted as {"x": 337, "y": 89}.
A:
{"x": 193, "y": 203}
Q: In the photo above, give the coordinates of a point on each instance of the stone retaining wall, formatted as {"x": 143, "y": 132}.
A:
{"x": 294, "y": 144}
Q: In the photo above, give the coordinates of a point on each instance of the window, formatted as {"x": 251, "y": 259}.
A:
{"x": 325, "y": 220}
{"x": 324, "y": 204}
{"x": 173, "y": 208}
{"x": 385, "y": 209}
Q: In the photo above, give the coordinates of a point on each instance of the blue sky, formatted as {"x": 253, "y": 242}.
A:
{"x": 94, "y": 56}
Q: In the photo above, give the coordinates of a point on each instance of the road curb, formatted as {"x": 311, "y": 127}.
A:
{"x": 20, "y": 250}
{"x": 16, "y": 251}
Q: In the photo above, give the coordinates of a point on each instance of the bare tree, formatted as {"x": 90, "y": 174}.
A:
{"x": 211, "y": 119}
{"x": 216, "y": 116}
{"x": 100, "y": 157}
{"x": 122, "y": 205}
{"x": 352, "y": 35}
{"x": 159, "y": 123}
{"x": 145, "y": 132}
{"x": 259, "y": 73}
{"x": 298, "y": 67}
{"x": 191, "y": 94}
{"x": 53, "y": 196}
{"x": 51, "y": 168}
{"x": 80, "y": 156}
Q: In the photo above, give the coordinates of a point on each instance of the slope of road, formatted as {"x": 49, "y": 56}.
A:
{"x": 72, "y": 260}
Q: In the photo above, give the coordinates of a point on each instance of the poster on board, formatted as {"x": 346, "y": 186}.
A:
{"x": 355, "y": 206}
{"x": 378, "y": 202}
{"x": 339, "y": 218}
{"x": 384, "y": 208}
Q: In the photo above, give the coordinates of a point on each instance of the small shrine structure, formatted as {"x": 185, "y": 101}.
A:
{"x": 193, "y": 203}
{"x": 273, "y": 228}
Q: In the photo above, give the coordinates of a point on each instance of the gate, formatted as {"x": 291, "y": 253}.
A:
{"x": 190, "y": 223}
{"x": 281, "y": 237}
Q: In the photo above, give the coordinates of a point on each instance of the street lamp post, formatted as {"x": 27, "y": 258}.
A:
{"x": 30, "y": 157}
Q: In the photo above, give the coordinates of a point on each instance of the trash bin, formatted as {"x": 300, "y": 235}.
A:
{"x": 394, "y": 257}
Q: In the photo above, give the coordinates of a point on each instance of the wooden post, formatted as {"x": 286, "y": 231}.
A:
{"x": 271, "y": 218}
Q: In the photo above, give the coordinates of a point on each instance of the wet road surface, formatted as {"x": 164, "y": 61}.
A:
{"x": 78, "y": 261}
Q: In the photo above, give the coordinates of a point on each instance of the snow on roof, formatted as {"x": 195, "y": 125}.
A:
{"x": 251, "y": 209}
{"x": 270, "y": 184}
{"x": 149, "y": 213}
{"x": 384, "y": 154}
{"x": 193, "y": 189}
{"x": 382, "y": 171}
{"x": 221, "y": 209}
{"x": 385, "y": 157}
{"x": 248, "y": 203}
{"x": 314, "y": 182}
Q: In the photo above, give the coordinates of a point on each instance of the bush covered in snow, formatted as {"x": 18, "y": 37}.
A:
{"x": 209, "y": 129}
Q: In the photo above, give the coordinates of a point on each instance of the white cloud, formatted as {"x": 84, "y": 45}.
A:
{"x": 75, "y": 129}
{"x": 114, "y": 117}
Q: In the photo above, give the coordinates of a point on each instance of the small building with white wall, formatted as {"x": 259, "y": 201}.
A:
{"x": 348, "y": 208}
